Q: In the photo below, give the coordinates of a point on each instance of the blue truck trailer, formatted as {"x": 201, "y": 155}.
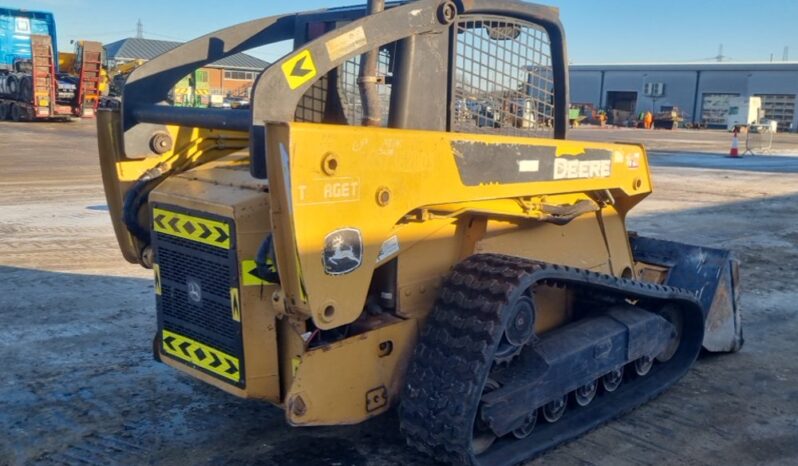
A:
{"x": 31, "y": 85}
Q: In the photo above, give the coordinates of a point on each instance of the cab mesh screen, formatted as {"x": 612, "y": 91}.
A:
{"x": 503, "y": 78}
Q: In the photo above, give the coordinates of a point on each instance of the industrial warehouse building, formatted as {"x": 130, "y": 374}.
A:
{"x": 701, "y": 91}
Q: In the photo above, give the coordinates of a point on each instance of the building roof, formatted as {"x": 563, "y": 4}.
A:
{"x": 695, "y": 66}
{"x": 146, "y": 49}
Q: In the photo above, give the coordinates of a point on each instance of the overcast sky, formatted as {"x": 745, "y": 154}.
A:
{"x": 617, "y": 31}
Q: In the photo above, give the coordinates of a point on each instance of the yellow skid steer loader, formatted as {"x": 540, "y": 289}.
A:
{"x": 399, "y": 219}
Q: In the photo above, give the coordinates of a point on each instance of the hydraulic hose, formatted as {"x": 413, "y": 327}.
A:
{"x": 135, "y": 198}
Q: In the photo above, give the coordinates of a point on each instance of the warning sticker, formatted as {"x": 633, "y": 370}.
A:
{"x": 346, "y": 43}
{"x": 249, "y": 273}
{"x": 299, "y": 69}
{"x": 157, "y": 270}
{"x": 235, "y": 305}
{"x": 202, "y": 230}
{"x": 201, "y": 355}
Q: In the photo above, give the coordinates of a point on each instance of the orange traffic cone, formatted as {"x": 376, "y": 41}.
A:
{"x": 734, "y": 151}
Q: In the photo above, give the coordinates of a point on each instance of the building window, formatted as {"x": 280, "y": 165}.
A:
{"x": 241, "y": 75}
{"x": 779, "y": 107}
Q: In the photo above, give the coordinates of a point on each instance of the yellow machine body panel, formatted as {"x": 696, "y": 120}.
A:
{"x": 353, "y": 379}
{"x": 360, "y": 196}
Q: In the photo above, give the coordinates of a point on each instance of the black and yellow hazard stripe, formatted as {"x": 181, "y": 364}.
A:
{"x": 190, "y": 227}
{"x": 201, "y": 355}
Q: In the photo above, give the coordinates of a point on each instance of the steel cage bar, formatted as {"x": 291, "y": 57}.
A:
{"x": 148, "y": 86}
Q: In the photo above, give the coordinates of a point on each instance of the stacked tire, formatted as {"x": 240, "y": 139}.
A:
{"x": 12, "y": 86}
{"x": 26, "y": 89}
{"x": 15, "y": 87}
{"x": 17, "y": 90}
{"x": 18, "y": 113}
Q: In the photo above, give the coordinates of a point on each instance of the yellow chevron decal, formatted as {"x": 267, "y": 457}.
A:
{"x": 202, "y": 230}
{"x": 235, "y": 304}
{"x": 248, "y": 269}
{"x": 201, "y": 355}
{"x": 157, "y": 271}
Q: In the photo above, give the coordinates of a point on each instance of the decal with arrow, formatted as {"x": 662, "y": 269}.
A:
{"x": 249, "y": 273}
{"x": 201, "y": 355}
{"x": 299, "y": 69}
{"x": 190, "y": 227}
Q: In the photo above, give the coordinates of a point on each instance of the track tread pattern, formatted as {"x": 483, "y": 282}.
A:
{"x": 456, "y": 349}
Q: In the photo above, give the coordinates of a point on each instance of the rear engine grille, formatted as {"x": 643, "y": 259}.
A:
{"x": 195, "y": 287}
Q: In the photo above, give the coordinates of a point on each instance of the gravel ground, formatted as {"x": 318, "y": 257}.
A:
{"x": 77, "y": 323}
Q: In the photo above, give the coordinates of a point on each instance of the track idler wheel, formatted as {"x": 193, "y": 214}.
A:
{"x": 553, "y": 410}
{"x": 585, "y": 394}
{"x": 520, "y": 328}
{"x": 519, "y": 331}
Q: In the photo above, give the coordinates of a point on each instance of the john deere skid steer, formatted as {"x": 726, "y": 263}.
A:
{"x": 399, "y": 219}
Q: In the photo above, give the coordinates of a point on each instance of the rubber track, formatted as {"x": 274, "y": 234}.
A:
{"x": 455, "y": 353}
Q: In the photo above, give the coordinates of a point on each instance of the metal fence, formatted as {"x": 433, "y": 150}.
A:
{"x": 758, "y": 139}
